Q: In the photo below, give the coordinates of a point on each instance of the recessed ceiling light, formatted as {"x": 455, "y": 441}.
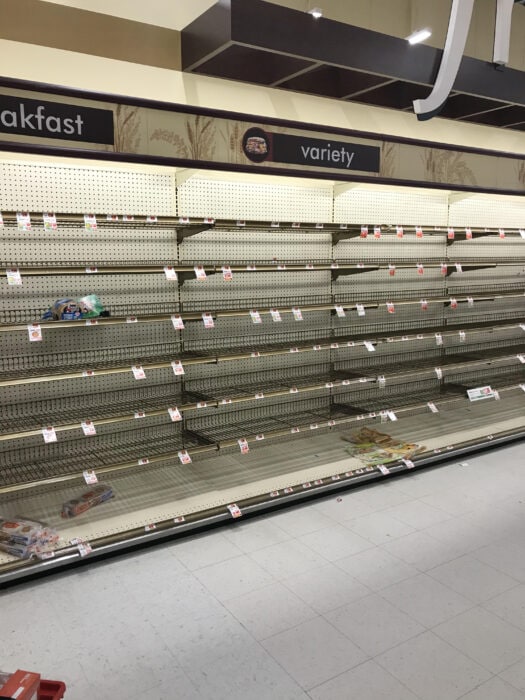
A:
{"x": 419, "y": 36}
{"x": 316, "y": 12}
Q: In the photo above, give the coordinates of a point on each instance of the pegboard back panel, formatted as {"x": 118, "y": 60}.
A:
{"x": 79, "y": 189}
{"x": 254, "y": 200}
{"x": 382, "y": 206}
{"x": 485, "y": 211}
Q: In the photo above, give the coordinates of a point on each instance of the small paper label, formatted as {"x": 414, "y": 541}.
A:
{"x": 177, "y": 321}
{"x": 296, "y": 224}
{"x": 281, "y": 267}
{"x": 293, "y": 390}
{"x": 274, "y": 494}
{"x": 298, "y": 316}
{"x": 132, "y": 319}
{"x": 89, "y": 476}
{"x": 295, "y": 430}
{"x": 364, "y": 232}
{"x": 208, "y": 320}
{"x": 439, "y": 372}
{"x": 439, "y": 339}
{"x": 142, "y": 461}
{"x": 377, "y": 232}
{"x": 111, "y": 217}
{"x": 255, "y": 316}
{"x": 90, "y": 222}
{"x": 329, "y": 385}
{"x": 433, "y": 407}
{"x": 150, "y": 527}
{"x": 521, "y": 358}
{"x": 295, "y": 349}
{"x": 274, "y": 224}
{"x": 138, "y": 372}
{"x": 88, "y": 373}
{"x": 360, "y": 309}
{"x": 184, "y": 220}
{"x": 468, "y": 234}
{"x": 470, "y": 301}
{"x": 408, "y": 463}
{"x": 501, "y": 232}
{"x": 458, "y": 267}
{"x": 276, "y": 316}
{"x": 480, "y": 393}
{"x": 49, "y": 434}
{"x": 23, "y": 221}
{"x": 522, "y": 231}
{"x": 391, "y": 270}
{"x": 453, "y": 303}
{"x": 224, "y": 402}
{"x": 84, "y": 548}
{"x": 382, "y": 381}
{"x": 179, "y": 519}
{"x": 240, "y": 223}
{"x": 184, "y": 456}
{"x": 424, "y": 304}
{"x": 170, "y": 273}
{"x": 174, "y": 414}
{"x": 496, "y": 395}
{"x": 313, "y": 426}
{"x": 88, "y": 428}
{"x": 139, "y": 414}
{"x": 307, "y": 485}
{"x": 384, "y": 470}
{"x": 288, "y": 489}
{"x": 259, "y": 395}
{"x": 450, "y": 234}
{"x": 227, "y": 273}
{"x": 419, "y": 232}
{"x": 391, "y": 415}
{"x": 243, "y": 445}
{"x": 91, "y": 321}
{"x": 420, "y": 269}
{"x": 35, "y": 332}
{"x": 318, "y": 482}
{"x": 50, "y": 222}
{"x": 92, "y": 270}
{"x": 443, "y": 268}
{"x": 208, "y": 220}
{"x": 334, "y": 265}
{"x": 336, "y": 477}
{"x": 202, "y": 404}
{"x": 317, "y": 347}
{"x": 151, "y": 219}
{"x": 251, "y": 268}
{"x": 340, "y": 311}
{"x": 347, "y": 382}
{"x": 369, "y": 346}
{"x": 255, "y": 353}
{"x": 319, "y": 226}
{"x": 200, "y": 272}
{"x": 399, "y": 232}
{"x": 260, "y": 436}
{"x": 309, "y": 266}
{"x": 462, "y": 336}
{"x": 390, "y": 307}
{"x": 235, "y": 511}
{"x": 13, "y": 276}
{"x": 1, "y": 220}
{"x": 177, "y": 367}
{"x": 334, "y": 346}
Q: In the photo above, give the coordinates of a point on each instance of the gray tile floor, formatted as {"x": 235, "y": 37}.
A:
{"x": 410, "y": 589}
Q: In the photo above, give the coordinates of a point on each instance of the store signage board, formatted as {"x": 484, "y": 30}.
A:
{"x": 54, "y": 120}
{"x": 43, "y": 118}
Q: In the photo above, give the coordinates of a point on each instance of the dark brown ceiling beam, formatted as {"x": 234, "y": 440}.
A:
{"x": 302, "y": 71}
{"x": 373, "y": 87}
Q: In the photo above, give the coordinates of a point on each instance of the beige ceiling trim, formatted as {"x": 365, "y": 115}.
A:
{"x": 70, "y": 29}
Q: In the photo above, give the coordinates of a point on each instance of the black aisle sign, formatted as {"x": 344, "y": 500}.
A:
{"x": 53, "y": 120}
{"x": 259, "y": 145}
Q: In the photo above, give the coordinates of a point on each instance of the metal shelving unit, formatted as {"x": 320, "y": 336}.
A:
{"x": 306, "y": 348}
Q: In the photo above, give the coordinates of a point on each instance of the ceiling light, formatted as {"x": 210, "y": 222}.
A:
{"x": 419, "y": 36}
{"x": 316, "y": 12}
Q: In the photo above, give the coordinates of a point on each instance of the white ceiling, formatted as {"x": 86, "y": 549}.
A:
{"x": 173, "y": 14}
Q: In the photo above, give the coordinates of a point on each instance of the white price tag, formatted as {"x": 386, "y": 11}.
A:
{"x": 90, "y": 222}
{"x": 522, "y": 387}
{"x": 177, "y": 367}
{"x": 23, "y": 221}
{"x": 243, "y": 445}
{"x": 336, "y": 477}
{"x": 200, "y": 272}
{"x": 443, "y": 268}
{"x": 251, "y": 268}
{"x": 420, "y": 269}
{"x": 281, "y": 267}
{"x": 369, "y": 346}
{"x": 450, "y": 234}
{"x": 1, "y": 220}
{"x": 88, "y": 373}
{"x": 391, "y": 415}
{"x": 391, "y": 270}
{"x": 390, "y": 307}
{"x": 174, "y": 414}
{"x": 240, "y": 223}
{"x": 298, "y": 316}
{"x": 84, "y": 548}
{"x": 89, "y": 476}
{"x": 458, "y": 267}
{"x": 88, "y": 428}
{"x": 144, "y": 460}
{"x": 521, "y": 358}
{"x": 274, "y": 494}
{"x": 170, "y": 273}
{"x": 274, "y": 224}
{"x": 522, "y": 326}
{"x": 296, "y": 224}
{"x": 424, "y": 304}
{"x": 360, "y": 309}
{"x": 339, "y": 310}
{"x": 50, "y": 222}
{"x": 334, "y": 265}
{"x": 470, "y": 301}
{"x": 295, "y": 430}
{"x": 334, "y": 346}
{"x": 318, "y": 482}
{"x": 184, "y": 457}
{"x": 151, "y": 219}
{"x": 364, "y": 232}
{"x": 13, "y": 276}
{"x": 35, "y": 332}
{"x": 255, "y": 353}
{"x": 309, "y": 266}
{"x": 419, "y": 232}
{"x": 111, "y": 217}
{"x": 433, "y": 407}
{"x": 227, "y": 273}
{"x": 202, "y": 404}
{"x": 208, "y": 320}
{"x": 316, "y": 347}
{"x": 522, "y": 231}
{"x": 293, "y": 390}
{"x": 260, "y": 436}
{"x": 49, "y": 434}
{"x": 139, "y": 414}
{"x": 208, "y": 220}
{"x": 150, "y": 527}
{"x": 381, "y": 381}
{"x": 184, "y": 219}
{"x": 138, "y": 372}
{"x": 468, "y": 234}
{"x": 329, "y": 385}
{"x": 132, "y": 319}
{"x": 92, "y": 270}
{"x": 439, "y": 339}
{"x": 255, "y": 316}
{"x": 294, "y": 349}
{"x": 91, "y": 321}
{"x": 399, "y": 232}
{"x": 453, "y": 303}
{"x": 319, "y": 226}
{"x": 496, "y": 395}
{"x": 501, "y": 232}
{"x": 224, "y": 402}
{"x": 177, "y": 321}
{"x": 408, "y": 463}
{"x": 307, "y": 485}
{"x": 384, "y": 470}
{"x": 377, "y": 232}
{"x": 288, "y": 489}
{"x": 128, "y": 218}
{"x": 179, "y": 519}
{"x": 259, "y": 395}
{"x": 462, "y": 336}
{"x": 276, "y": 316}
{"x": 439, "y": 372}
{"x": 347, "y": 382}
{"x": 235, "y": 511}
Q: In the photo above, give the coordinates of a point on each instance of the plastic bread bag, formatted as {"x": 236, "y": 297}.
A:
{"x": 63, "y": 310}
{"x": 91, "y": 306}
{"x": 22, "y": 531}
{"x": 98, "y": 494}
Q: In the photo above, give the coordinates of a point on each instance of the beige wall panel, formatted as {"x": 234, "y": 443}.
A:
{"x": 93, "y": 73}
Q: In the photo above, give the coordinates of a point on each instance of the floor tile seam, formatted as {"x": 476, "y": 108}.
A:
{"x": 392, "y": 538}
{"x": 501, "y": 571}
{"x": 505, "y": 680}
{"x": 494, "y": 675}
{"x": 369, "y": 591}
{"x": 419, "y": 500}
{"x": 220, "y": 561}
{"x": 252, "y": 590}
{"x": 468, "y": 554}
{"x": 503, "y": 619}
